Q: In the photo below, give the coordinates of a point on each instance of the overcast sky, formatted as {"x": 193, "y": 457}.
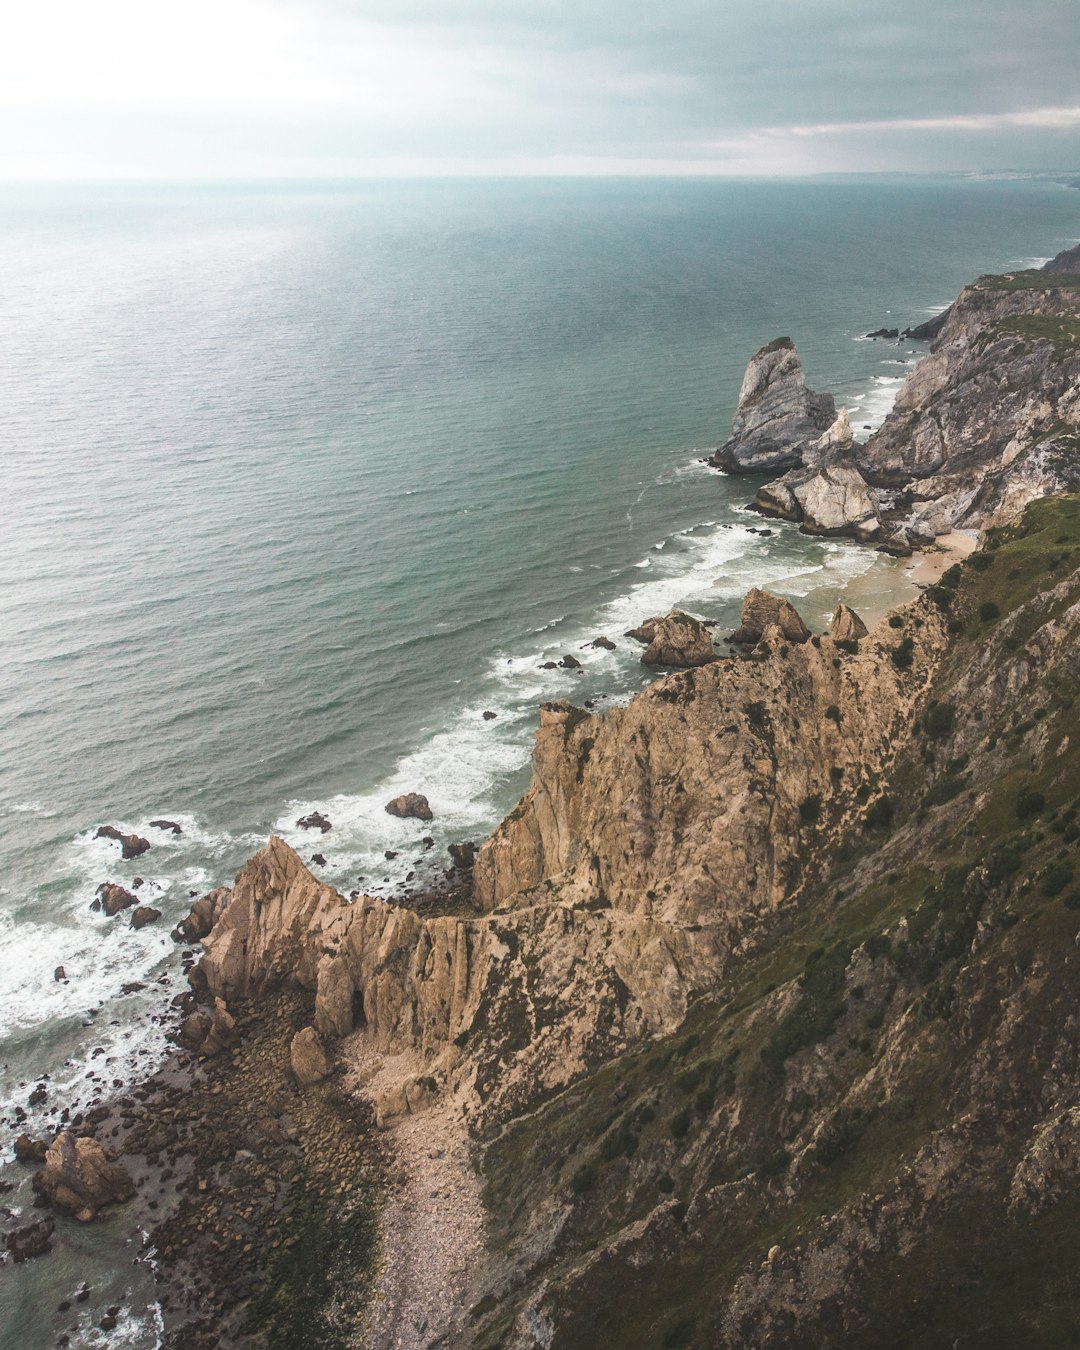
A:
{"x": 213, "y": 88}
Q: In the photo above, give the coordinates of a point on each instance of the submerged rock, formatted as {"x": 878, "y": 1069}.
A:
{"x": 33, "y": 1239}
{"x": 169, "y": 825}
{"x": 679, "y": 640}
{"x": 410, "y": 805}
{"x": 315, "y": 821}
{"x": 778, "y": 417}
{"x": 79, "y": 1180}
{"x": 131, "y": 845}
{"x": 113, "y": 898}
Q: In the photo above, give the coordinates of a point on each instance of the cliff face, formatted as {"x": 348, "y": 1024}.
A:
{"x": 649, "y": 844}
{"x": 689, "y": 804}
{"x": 985, "y": 423}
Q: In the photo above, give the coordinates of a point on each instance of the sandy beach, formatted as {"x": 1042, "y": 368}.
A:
{"x": 894, "y": 581}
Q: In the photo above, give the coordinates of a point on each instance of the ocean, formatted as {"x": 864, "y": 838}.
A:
{"x": 303, "y": 479}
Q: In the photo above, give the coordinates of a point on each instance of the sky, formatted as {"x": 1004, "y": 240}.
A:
{"x": 341, "y": 88}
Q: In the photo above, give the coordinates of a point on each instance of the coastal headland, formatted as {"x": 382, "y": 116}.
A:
{"x": 754, "y": 1021}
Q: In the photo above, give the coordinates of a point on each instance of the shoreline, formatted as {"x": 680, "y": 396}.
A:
{"x": 875, "y": 593}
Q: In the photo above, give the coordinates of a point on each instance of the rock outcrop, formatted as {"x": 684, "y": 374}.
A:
{"x": 143, "y": 915}
{"x": 79, "y": 1180}
{"x": 205, "y": 912}
{"x": 845, "y": 625}
{"x": 415, "y": 805}
{"x": 831, "y": 499}
{"x": 778, "y": 417}
{"x": 762, "y": 610}
{"x": 679, "y": 640}
{"x": 1066, "y": 263}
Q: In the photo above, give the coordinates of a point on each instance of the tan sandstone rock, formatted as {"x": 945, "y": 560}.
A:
{"x": 760, "y": 610}
{"x": 679, "y": 640}
{"x": 79, "y": 1180}
{"x": 308, "y": 1058}
{"x": 845, "y": 625}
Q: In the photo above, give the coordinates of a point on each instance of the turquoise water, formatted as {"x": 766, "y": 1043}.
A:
{"x": 301, "y": 480}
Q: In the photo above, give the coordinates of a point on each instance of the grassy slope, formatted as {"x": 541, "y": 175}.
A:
{"x": 661, "y": 1125}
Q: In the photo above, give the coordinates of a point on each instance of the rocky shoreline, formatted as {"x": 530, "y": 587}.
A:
{"x": 306, "y": 1166}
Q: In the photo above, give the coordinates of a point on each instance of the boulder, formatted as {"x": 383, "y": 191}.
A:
{"x": 845, "y": 625}
{"x": 60, "y": 975}
{"x": 603, "y": 642}
{"x": 79, "y": 1180}
{"x": 679, "y": 640}
{"x": 113, "y": 898}
{"x": 131, "y": 845}
{"x": 464, "y": 855}
{"x": 29, "y": 1150}
{"x": 778, "y": 417}
{"x": 761, "y": 609}
{"x": 308, "y": 1058}
{"x": 410, "y": 805}
{"x": 570, "y": 663}
{"x": 489, "y": 716}
{"x": 315, "y": 821}
{"x": 144, "y": 914}
{"x": 205, "y": 912}
{"x": 836, "y": 499}
{"x": 169, "y": 825}
{"x": 208, "y": 1031}
{"x": 646, "y": 630}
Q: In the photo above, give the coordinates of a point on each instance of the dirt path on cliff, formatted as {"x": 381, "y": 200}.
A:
{"x": 432, "y": 1226}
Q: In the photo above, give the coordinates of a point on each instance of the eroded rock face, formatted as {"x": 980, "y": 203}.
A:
{"x": 762, "y": 610}
{"x": 679, "y": 640}
{"x": 79, "y": 1180}
{"x": 778, "y": 417}
{"x": 415, "y": 805}
{"x": 652, "y": 840}
{"x": 995, "y": 382}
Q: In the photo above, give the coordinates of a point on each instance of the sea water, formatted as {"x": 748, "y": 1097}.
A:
{"x": 300, "y": 480}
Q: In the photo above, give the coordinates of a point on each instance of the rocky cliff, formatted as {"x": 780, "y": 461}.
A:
{"x": 762, "y": 1014}
{"x": 765, "y": 1019}
{"x": 986, "y": 422}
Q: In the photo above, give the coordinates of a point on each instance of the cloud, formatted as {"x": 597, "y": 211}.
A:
{"x": 1049, "y": 118}
{"x": 237, "y": 87}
